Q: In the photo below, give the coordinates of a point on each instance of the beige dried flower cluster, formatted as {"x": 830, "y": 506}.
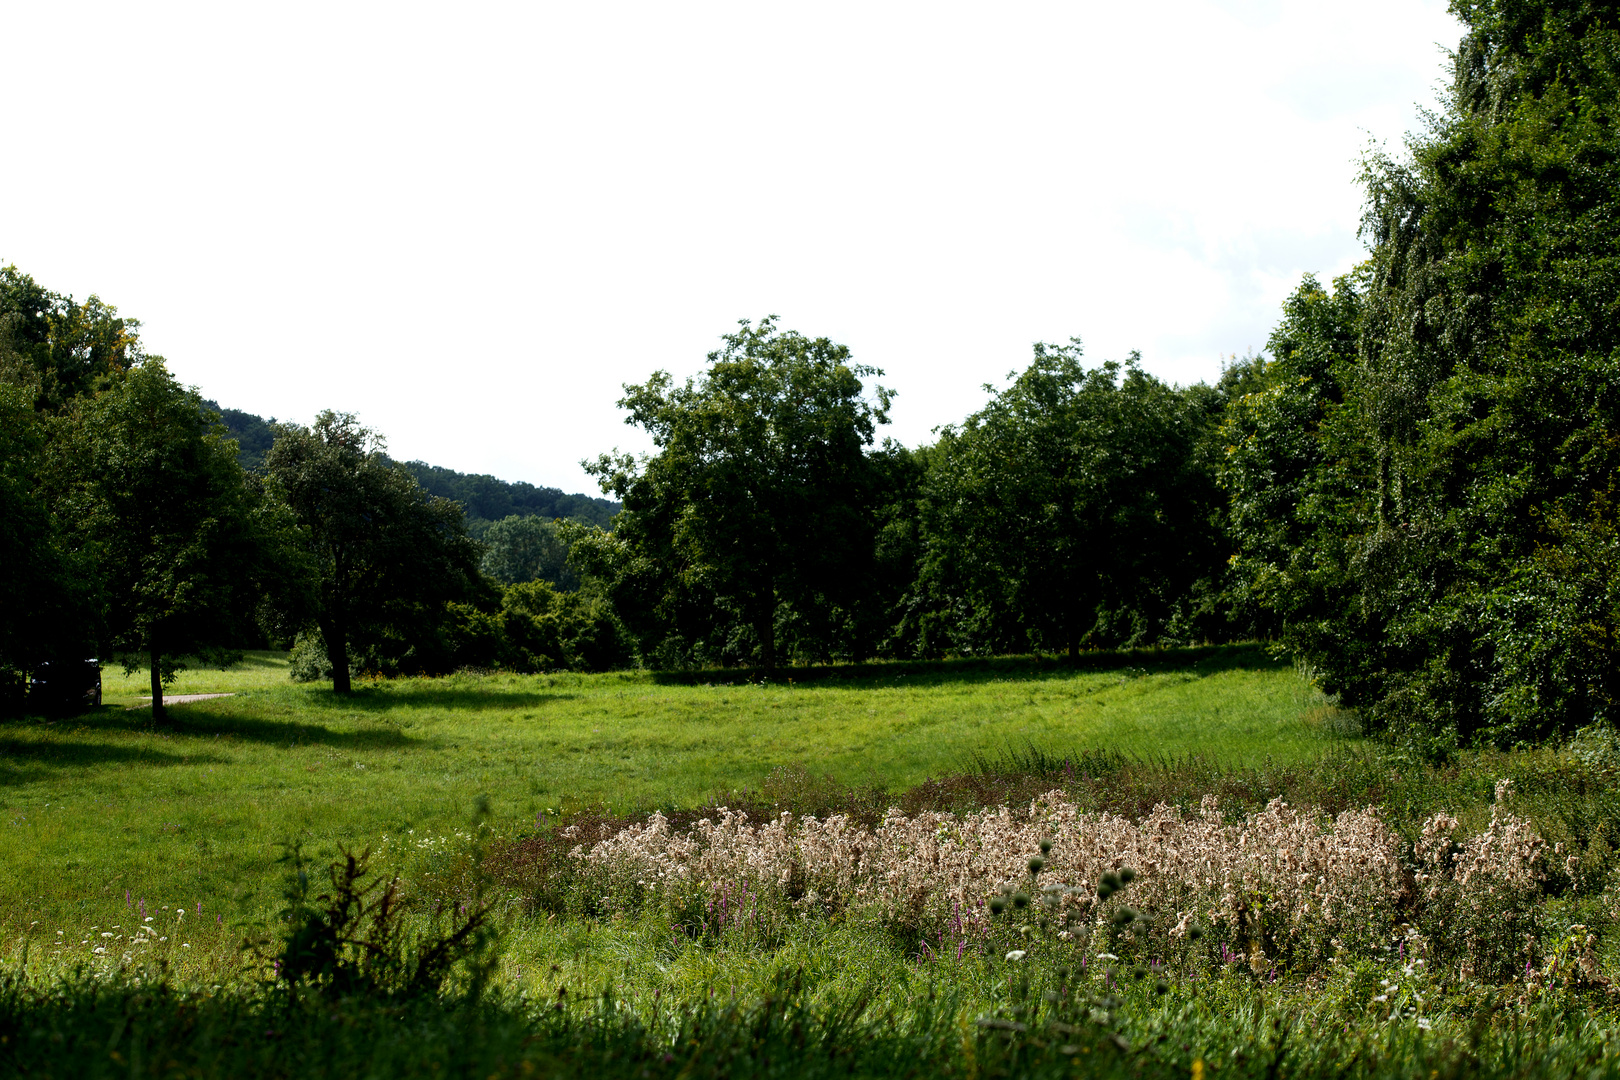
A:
{"x": 1283, "y": 885}
{"x": 1477, "y": 894}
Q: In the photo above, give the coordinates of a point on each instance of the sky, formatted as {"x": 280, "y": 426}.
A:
{"x": 471, "y": 224}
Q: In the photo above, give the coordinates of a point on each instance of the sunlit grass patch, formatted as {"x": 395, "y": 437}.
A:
{"x": 96, "y": 805}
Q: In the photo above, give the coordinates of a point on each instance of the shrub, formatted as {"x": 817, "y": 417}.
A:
{"x": 352, "y": 939}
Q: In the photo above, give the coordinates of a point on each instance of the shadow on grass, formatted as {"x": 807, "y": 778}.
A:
{"x": 27, "y": 762}
{"x": 385, "y": 696}
{"x": 1197, "y": 660}
{"x": 193, "y": 723}
{"x": 199, "y": 724}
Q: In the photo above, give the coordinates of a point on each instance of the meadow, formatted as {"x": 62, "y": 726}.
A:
{"x": 634, "y": 936}
{"x": 105, "y": 803}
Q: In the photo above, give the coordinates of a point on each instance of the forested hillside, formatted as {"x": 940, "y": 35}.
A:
{"x": 484, "y": 498}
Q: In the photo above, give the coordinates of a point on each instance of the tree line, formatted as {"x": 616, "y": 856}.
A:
{"x": 132, "y": 529}
{"x": 1411, "y": 489}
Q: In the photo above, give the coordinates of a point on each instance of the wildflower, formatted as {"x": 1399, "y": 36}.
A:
{"x": 1017, "y": 955}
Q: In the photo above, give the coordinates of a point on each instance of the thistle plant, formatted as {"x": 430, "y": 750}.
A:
{"x": 1283, "y": 889}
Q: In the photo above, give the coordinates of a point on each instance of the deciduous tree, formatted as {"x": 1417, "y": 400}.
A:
{"x": 754, "y": 511}
{"x": 385, "y": 557}
{"x": 177, "y": 536}
{"x": 1072, "y": 510}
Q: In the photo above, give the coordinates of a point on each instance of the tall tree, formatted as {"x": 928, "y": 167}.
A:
{"x": 174, "y": 527}
{"x": 1072, "y": 510}
{"x": 754, "y": 513}
{"x": 1485, "y": 395}
{"x": 386, "y": 556}
{"x": 35, "y": 581}
{"x": 1294, "y": 467}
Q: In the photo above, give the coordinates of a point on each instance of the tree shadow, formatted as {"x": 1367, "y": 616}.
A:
{"x": 1198, "y": 660}
{"x": 198, "y": 725}
{"x": 195, "y": 723}
{"x": 27, "y": 762}
{"x": 385, "y": 696}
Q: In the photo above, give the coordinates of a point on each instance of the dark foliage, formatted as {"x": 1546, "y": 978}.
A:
{"x": 487, "y": 499}
{"x": 353, "y": 941}
{"x": 383, "y": 557}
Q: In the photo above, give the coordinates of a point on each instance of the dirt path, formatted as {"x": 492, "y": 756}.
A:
{"x": 181, "y": 699}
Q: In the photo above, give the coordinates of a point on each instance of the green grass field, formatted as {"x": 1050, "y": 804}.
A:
{"x": 107, "y": 802}
{"x": 141, "y": 855}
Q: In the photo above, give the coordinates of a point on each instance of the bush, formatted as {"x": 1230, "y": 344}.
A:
{"x": 352, "y": 939}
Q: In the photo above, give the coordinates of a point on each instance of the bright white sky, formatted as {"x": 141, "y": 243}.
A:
{"x": 471, "y": 223}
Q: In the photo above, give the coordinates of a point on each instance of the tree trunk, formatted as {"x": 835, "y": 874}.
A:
{"x": 1073, "y": 638}
{"x": 158, "y": 711}
{"x": 765, "y": 627}
{"x": 334, "y": 632}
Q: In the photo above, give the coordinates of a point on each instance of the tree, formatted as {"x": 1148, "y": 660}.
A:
{"x": 1294, "y": 468}
{"x": 1072, "y": 510}
{"x": 29, "y": 548}
{"x": 175, "y": 530}
{"x": 384, "y": 555}
{"x": 68, "y": 349}
{"x": 753, "y": 517}
{"x": 525, "y": 549}
{"x": 1483, "y": 397}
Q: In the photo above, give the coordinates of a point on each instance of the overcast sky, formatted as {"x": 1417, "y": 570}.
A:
{"x": 471, "y": 223}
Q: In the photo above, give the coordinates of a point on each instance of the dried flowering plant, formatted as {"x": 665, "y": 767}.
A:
{"x": 1284, "y": 888}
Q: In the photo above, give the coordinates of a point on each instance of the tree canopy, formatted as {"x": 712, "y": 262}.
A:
{"x": 1071, "y": 511}
{"x": 752, "y": 515}
{"x": 179, "y": 536}
{"x": 384, "y": 555}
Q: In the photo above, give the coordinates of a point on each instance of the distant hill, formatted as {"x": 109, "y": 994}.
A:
{"x": 488, "y": 499}
{"x": 482, "y": 497}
